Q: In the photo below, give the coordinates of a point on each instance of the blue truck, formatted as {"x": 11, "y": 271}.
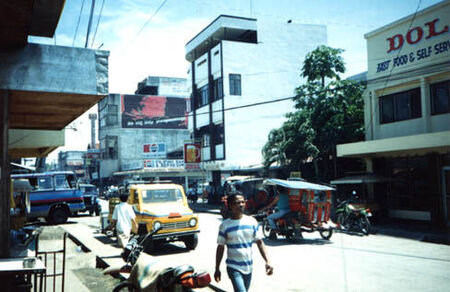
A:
{"x": 55, "y": 195}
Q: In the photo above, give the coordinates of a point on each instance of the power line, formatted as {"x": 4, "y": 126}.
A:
{"x": 98, "y": 22}
{"x": 390, "y": 72}
{"x": 145, "y": 24}
{"x": 78, "y": 23}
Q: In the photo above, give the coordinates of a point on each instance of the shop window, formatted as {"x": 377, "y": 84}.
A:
{"x": 218, "y": 88}
{"x": 400, "y": 106}
{"x": 235, "y": 84}
{"x": 440, "y": 98}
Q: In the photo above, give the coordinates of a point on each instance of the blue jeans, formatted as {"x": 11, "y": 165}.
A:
{"x": 274, "y": 216}
{"x": 240, "y": 281}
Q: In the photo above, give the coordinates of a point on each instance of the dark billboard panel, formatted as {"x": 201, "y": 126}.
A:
{"x": 154, "y": 112}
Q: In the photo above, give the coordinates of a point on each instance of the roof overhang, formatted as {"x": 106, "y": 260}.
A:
{"x": 47, "y": 86}
{"x": 438, "y": 142}
{"x": 33, "y": 143}
{"x": 360, "y": 179}
{"x": 19, "y": 19}
{"x": 224, "y": 27}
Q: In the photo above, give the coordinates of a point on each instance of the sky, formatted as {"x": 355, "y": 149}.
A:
{"x": 148, "y": 37}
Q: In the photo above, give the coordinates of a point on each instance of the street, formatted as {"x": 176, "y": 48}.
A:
{"x": 345, "y": 263}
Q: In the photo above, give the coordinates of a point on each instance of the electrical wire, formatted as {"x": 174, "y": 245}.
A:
{"x": 98, "y": 22}
{"x": 145, "y": 24}
{"x": 388, "y": 78}
{"x": 78, "y": 24}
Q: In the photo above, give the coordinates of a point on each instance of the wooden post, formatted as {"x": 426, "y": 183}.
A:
{"x": 5, "y": 185}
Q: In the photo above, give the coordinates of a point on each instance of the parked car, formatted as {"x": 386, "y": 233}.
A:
{"x": 90, "y": 198}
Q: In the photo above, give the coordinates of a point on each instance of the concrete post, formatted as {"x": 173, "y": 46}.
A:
{"x": 5, "y": 185}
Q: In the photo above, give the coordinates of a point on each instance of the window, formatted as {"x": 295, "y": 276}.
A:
{"x": 202, "y": 96}
{"x": 219, "y": 134}
{"x": 400, "y": 106}
{"x": 45, "y": 183}
{"x": 218, "y": 88}
{"x": 235, "y": 84}
{"x": 108, "y": 114}
{"x": 110, "y": 150}
{"x": 61, "y": 182}
{"x": 440, "y": 98}
{"x": 161, "y": 196}
{"x": 205, "y": 140}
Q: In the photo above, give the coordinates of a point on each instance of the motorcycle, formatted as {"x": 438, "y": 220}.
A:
{"x": 146, "y": 274}
{"x": 350, "y": 218}
{"x": 292, "y": 225}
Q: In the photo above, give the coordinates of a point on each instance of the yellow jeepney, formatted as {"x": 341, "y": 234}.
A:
{"x": 164, "y": 205}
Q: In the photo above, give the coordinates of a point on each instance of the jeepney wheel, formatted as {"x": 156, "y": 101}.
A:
{"x": 191, "y": 241}
{"x": 58, "y": 216}
{"x": 266, "y": 228}
{"x": 326, "y": 233}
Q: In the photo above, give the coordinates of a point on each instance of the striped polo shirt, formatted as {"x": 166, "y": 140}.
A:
{"x": 238, "y": 235}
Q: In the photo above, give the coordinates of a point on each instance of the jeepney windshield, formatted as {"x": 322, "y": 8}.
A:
{"x": 161, "y": 196}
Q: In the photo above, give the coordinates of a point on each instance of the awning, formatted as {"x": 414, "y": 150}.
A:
{"x": 299, "y": 185}
{"x": 421, "y": 144}
{"x": 360, "y": 179}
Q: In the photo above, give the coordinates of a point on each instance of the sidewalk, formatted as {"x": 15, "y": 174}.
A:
{"x": 411, "y": 230}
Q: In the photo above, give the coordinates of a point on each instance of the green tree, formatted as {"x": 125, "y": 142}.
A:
{"x": 325, "y": 115}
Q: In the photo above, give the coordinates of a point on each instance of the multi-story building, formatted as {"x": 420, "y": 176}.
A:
{"x": 142, "y": 135}
{"x": 242, "y": 73}
{"x": 407, "y": 116}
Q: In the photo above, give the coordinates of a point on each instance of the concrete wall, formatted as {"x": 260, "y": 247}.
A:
{"x": 269, "y": 70}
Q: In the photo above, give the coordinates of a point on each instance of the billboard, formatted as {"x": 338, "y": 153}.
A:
{"x": 154, "y": 112}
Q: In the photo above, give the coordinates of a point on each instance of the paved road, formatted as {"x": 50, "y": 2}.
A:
{"x": 345, "y": 263}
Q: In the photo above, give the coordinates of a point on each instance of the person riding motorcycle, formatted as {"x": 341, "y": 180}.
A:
{"x": 281, "y": 200}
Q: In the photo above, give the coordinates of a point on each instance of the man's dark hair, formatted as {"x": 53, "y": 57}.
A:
{"x": 123, "y": 198}
{"x": 232, "y": 198}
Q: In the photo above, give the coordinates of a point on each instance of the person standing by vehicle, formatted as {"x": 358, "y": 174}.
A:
{"x": 282, "y": 202}
{"x": 238, "y": 233}
{"x": 122, "y": 219}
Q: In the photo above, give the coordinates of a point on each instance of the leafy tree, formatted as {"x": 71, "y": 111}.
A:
{"x": 325, "y": 115}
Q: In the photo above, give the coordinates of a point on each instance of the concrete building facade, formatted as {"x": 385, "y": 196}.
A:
{"x": 407, "y": 116}
{"x": 243, "y": 72}
{"x": 142, "y": 135}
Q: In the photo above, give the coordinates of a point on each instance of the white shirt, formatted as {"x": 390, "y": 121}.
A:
{"x": 123, "y": 213}
{"x": 239, "y": 235}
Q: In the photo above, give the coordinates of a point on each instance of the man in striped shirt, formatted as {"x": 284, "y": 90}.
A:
{"x": 238, "y": 233}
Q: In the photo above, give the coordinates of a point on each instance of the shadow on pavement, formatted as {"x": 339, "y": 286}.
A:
{"x": 105, "y": 239}
{"x": 282, "y": 241}
{"x": 167, "y": 249}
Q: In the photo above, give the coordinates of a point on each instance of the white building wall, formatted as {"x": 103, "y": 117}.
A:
{"x": 269, "y": 70}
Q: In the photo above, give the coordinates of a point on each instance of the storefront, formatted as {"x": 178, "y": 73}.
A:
{"x": 407, "y": 116}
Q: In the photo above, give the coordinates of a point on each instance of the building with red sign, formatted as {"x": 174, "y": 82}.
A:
{"x": 407, "y": 116}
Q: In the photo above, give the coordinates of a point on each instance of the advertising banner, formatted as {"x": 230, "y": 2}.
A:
{"x": 164, "y": 163}
{"x": 155, "y": 150}
{"x": 192, "y": 153}
{"x": 154, "y": 112}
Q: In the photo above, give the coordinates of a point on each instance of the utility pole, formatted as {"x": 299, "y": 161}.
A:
{"x": 90, "y": 24}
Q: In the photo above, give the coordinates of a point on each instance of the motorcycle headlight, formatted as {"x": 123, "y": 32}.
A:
{"x": 156, "y": 225}
{"x": 192, "y": 222}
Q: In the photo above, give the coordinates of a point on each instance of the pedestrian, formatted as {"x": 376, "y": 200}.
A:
{"x": 238, "y": 233}
{"x": 123, "y": 218}
{"x": 282, "y": 201}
